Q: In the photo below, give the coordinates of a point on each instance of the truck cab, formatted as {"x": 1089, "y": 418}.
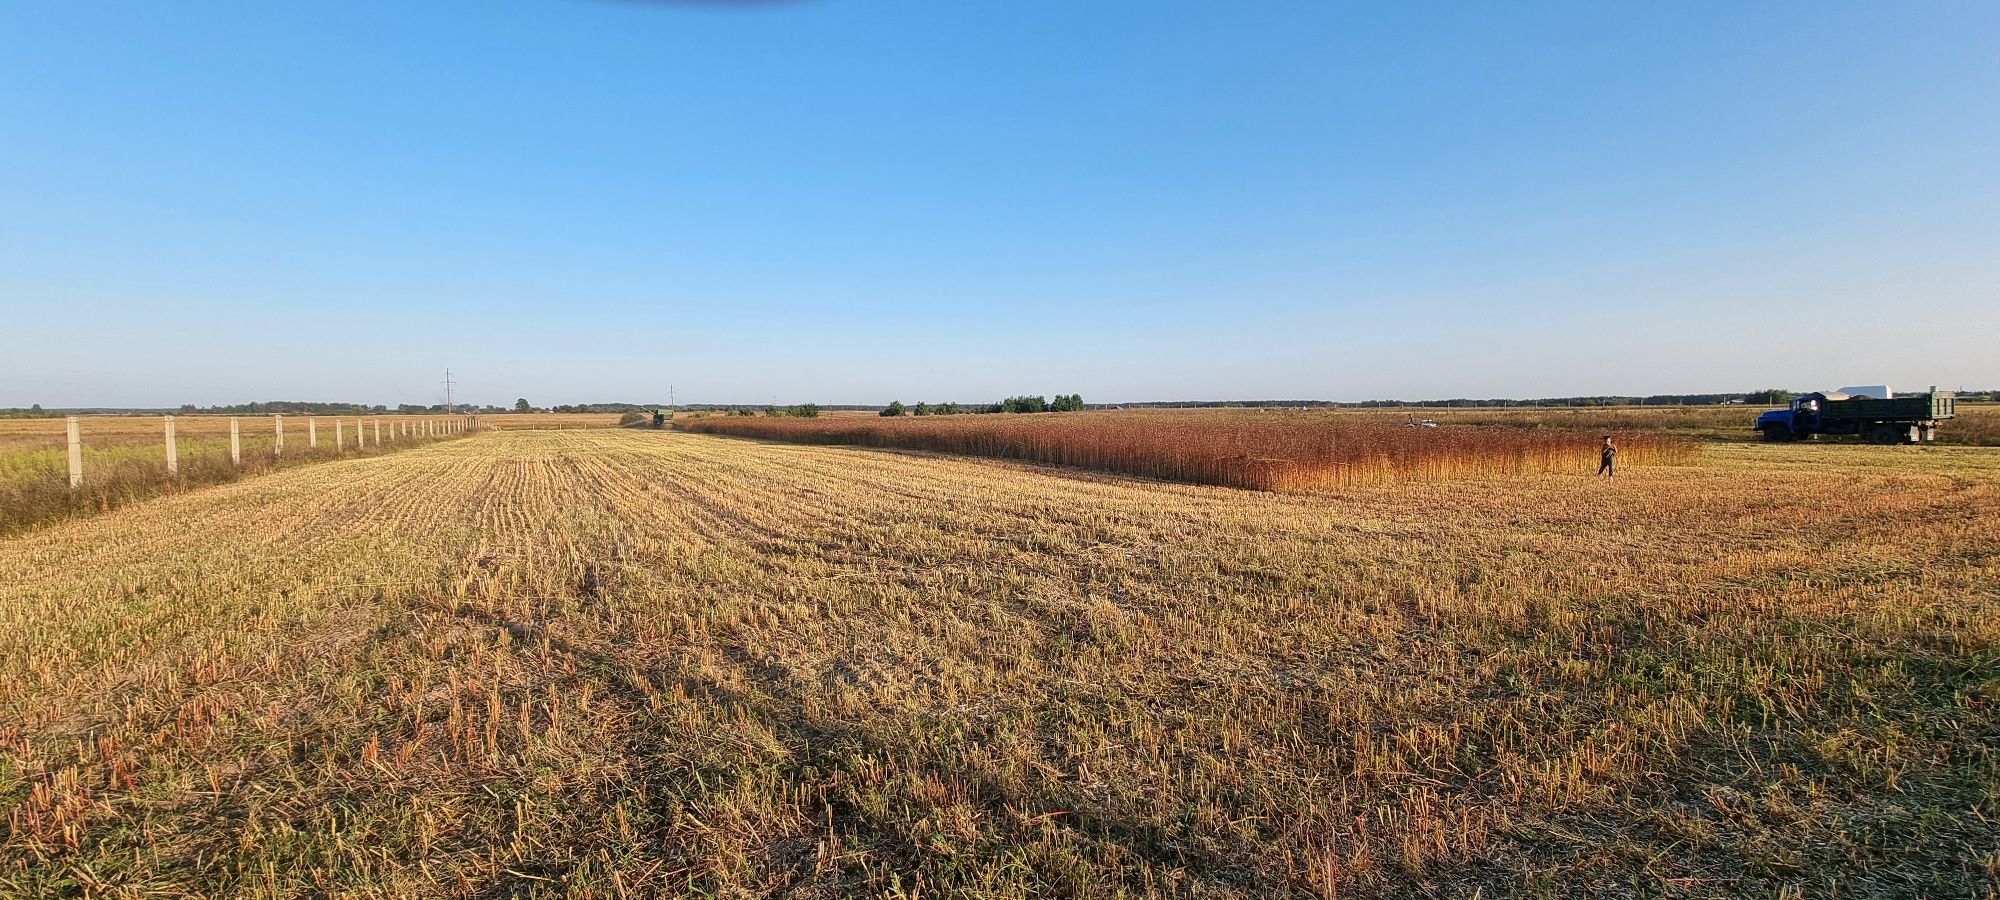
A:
{"x": 1796, "y": 421}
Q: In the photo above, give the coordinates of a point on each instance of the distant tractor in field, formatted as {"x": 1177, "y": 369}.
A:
{"x": 1878, "y": 414}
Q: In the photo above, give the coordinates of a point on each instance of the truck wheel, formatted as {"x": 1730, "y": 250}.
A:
{"x": 1883, "y": 434}
{"x": 1776, "y": 434}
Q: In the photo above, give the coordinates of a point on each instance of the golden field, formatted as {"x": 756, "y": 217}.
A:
{"x": 124, "y": 457}
{"x": 633, "y": 663}
{"x": 545, "y": 421}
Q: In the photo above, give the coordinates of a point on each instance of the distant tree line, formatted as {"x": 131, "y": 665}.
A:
{"x": 896, "y": 408}
{"x": 1022, "y": 404}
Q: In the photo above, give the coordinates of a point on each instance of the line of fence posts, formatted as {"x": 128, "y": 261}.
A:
{"x": 398, "y": 429}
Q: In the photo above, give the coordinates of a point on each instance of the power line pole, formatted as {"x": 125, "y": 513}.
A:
{"x": 670, "y": 395}
{"x": 447, "y": 391}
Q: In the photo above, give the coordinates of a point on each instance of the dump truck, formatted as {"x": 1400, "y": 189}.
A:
{"x": 1906, "y": 419}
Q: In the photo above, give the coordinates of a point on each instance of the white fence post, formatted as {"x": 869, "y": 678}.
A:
{"x": 339, "y": 436}
{"x": 173, "y": 451}
{"x": 75, "y": 454}
{"x": 235, "y": 442}
{"x": 360, "y": 433}
{"x": 277, "y": 435}
{"x": 312, "y": 433}
{"x": 378, "y": 432}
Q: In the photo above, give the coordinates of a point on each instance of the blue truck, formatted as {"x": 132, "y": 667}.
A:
{"x": 1908, "y": 419}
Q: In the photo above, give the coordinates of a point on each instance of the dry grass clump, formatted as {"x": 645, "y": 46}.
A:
{"x": 1287, "y": 454}
{"x": 616, "y": 663}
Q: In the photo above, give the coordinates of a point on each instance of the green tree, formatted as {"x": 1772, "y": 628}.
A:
{"x": 806, "y": 410}
{"x": 521, "y": 405}
{"x": 895, "y": 408}
{"x": 922, "y": 409}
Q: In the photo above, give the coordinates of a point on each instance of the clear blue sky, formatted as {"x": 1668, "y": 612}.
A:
{"x": 858, "y": 200}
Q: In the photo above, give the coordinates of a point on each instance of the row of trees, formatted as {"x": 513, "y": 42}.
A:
{"x": 896, "y": 408}
{"x": 801, "y": 411}
{"x": 1022, "y": 404}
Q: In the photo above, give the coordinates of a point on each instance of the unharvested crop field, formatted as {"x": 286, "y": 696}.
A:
{"x": 630, "y": 663}
{"x": 1977, "y": 423}
{"x": 1264, "y": 452}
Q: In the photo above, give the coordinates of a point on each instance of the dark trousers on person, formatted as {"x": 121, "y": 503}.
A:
{"x": 1608, "y": 468}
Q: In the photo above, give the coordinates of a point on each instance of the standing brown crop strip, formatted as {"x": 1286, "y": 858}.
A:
{"x": 1280, "y": 455}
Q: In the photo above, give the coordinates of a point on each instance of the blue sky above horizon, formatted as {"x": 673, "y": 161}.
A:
{"x": 851, "y": 201}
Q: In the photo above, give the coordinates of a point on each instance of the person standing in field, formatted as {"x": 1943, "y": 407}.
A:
{"x": 1607, "y": 459}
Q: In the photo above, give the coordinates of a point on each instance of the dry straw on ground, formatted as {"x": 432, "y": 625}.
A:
{"x": 617, "y": 663}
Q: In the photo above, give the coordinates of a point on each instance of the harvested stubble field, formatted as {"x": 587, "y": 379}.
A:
{"x": 1263, "y": 452}
{"x": 546, "y": 421}
{"x": 124, "y": 457}
{"x": 615, "y": 663}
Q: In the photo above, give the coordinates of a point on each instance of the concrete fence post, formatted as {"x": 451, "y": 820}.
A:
{"x": 75, "y": 453}
{"x": 312, "y": 433}
{"x": 277, "y": 435}
{"x": 378, "y": 432}
{"x": 339, "y": 436}
{"x": 173, "y": 451}
{"x": 235, "y": 442}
